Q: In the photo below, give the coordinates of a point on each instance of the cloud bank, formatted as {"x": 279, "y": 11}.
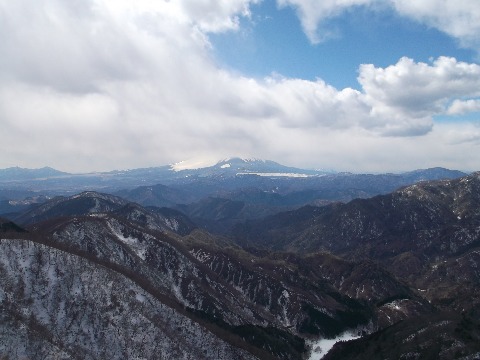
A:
{"x": 103, "y": 84}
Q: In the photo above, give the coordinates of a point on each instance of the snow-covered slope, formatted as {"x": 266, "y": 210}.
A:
{"x": 81, "y": 279}
{"x": 56, "y": 305}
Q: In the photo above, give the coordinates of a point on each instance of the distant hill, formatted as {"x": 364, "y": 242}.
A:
{"x": 82, "y": 204}
{"x": 21, "y": 174}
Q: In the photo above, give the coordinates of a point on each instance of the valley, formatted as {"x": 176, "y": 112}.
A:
{"x": 241, "y": 260}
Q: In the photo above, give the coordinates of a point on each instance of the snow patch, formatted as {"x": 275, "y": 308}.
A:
{"x": 294, "y": 175}
{"x": 192, "y": 164}
{"x": 140, "y": 297}
{"x": 96, "y": 208}
{"x": 172, "y": 224}
{"x": 321, "y": 347}
{"x": 134, "y": 244}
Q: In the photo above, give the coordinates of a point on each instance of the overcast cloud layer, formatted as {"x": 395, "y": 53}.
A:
{"x": 112, "y": 84}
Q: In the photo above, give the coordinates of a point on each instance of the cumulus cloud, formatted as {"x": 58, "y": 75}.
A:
{"x": 102, "y": 84}
{"x": 414, "y": 92}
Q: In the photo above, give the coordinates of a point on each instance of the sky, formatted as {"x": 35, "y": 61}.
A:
{"x": 345, "y": 85}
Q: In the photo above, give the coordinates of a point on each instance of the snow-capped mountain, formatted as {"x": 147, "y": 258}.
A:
{"x": 259, "y": 167}
{"x": 239, "y": 165}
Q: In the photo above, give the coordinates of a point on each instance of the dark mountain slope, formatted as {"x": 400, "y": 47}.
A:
{"x": 7, "y": 226}
{"x": 158, "y": 195}
{"x": 427, "y": 234}
{"x": 358, "y": 284}
{"x": 236, "y": 190}
{"x": 89, "y": 202}
{"x": 306, "y": 306}
{"x": 374, "y": 227}
{"x": 154, "y": 218}
{"x": 441, "y": 336}
{"x": 392, "y": 300}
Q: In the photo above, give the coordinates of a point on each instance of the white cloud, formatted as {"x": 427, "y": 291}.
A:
{"x": 214, "y": 15}
{"x": 457, "y": 18}
{"x": 95, "y": 85}
{"x": 313, "y": 13}
{"x": 414, "y": 92}
{"x": 459, "y": 107}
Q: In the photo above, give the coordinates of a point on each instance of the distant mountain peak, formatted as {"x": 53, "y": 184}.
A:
{"x": 203, "y": 163}
{"x": 244, "y": 160}
{"x": 238, "y": 161}
{"x": 97, "y": 195}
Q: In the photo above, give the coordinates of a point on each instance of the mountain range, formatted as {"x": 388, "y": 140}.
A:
{"x": 248, "y": 188}
{"x": 244, "y": 171}
{"x": 228, "y": 264}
